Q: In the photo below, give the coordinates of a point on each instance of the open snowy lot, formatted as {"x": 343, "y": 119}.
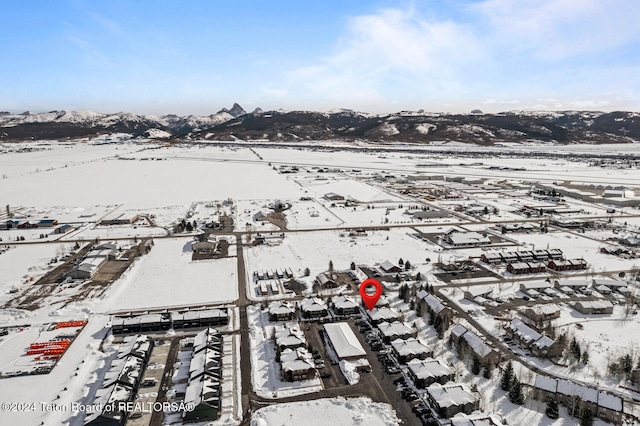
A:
{"x": 22, "y": 265}
{"x": 143, "y": 184}
{"x": 167, "y": 277}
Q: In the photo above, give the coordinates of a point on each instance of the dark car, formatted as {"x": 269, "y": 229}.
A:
{"x": 399, "y": 381}
{"x": 147, "y": 383}
{"x": 421, "y": 409}
{"x": 392, "y": 369}
{"x": 325, "y": 374}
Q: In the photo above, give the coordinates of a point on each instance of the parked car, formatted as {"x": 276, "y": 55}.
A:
{"x": 421, "y": 409}
{"x": 325, "y": 374}
{"x": 392, "y": 369}
{"x": 148, "y": 383}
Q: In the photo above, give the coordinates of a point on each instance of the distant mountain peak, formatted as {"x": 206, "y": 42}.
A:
{"x": 235, "y": 111}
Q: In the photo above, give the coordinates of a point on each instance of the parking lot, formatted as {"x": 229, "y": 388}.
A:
{"x": 381, "y": 384}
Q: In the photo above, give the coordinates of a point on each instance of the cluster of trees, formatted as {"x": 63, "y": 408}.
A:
{"x": 622, "y": 367}
{"x": 510, "y": 383}
{"x": 464, "y": 352}
{"x": 404, "y": 293}
{"x": 477, "y": 367}
{"x": 184, "y": 225}
{"x": 407, "y": 264}
{"x": 578, "y": 353}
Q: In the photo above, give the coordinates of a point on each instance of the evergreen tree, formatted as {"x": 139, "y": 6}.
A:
{"x": 407, "y": 265}
{"x": 475, "y": 365}
{"x": 400, "y": 262}
{"x": 353, "y": 266}
{"x": 418, "y": 277}
{"x": 507, "y": 377}
{"x": 627, "y": 363}
{"x": 402, "y": 291}
{"x": 487, "y": 373}
{"x": 438, "y": 324}
{"x": 331, "y": 266}
{"x": 552, "y": 409}
{"x": 515, "y": 392}
{"x": 585, "y": 357}
{"x": 307, "y": 272}
{"x": 587, "y": 417}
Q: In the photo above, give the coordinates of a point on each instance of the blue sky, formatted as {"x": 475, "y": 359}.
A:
{"x": 195, "y": 57}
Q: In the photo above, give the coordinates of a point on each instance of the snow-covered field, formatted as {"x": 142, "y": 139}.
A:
{"x": 168, "y": 277}
{"x": 23, "y": 264}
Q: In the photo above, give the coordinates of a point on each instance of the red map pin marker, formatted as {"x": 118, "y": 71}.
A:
{"x": 370, "y": 300}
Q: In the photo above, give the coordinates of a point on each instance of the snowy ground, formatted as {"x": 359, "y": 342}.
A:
{"x": 330, "y": 411}
{"x": 21, "y": 263}
{"x": 168, "y": 277}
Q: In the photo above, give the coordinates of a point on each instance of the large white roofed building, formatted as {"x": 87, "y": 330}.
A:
{"x": 344, "y": 341}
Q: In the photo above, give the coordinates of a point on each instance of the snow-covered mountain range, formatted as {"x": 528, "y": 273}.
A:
{"x": 413, "y": 127}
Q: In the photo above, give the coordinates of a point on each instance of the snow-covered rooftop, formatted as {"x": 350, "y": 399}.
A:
{"x": 344, "y": 341}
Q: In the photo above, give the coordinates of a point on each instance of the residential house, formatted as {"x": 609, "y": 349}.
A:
{"x": 452, "y": 399}
{"x": 385, "y": 314}
{"x": 594, "y": 307}
{"x": 313, "y": 308}
{"x": 409, "y": 349}
{"x": 424, "y": 373}
{"x": 461, "y": 336}
{"x": 528, "y": 338}
{"x": 577, "y": 398}
{"x": 396, "y": 330}
{"x": 345, "y": 306}
{"x": 281, "y": 310}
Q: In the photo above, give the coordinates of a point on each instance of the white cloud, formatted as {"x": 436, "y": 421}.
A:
{"x": 497, "y": 49}
{"x": 384, "y": 54}
{"x": 558, "y": 29}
